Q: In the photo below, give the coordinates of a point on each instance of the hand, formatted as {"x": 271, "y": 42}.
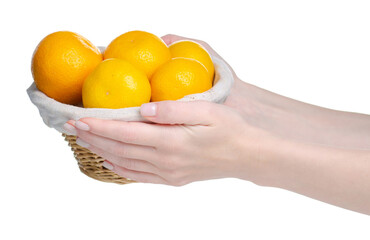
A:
{"x": 235, "y": 99}
{"x": 191, "y": 141}
{"x": 292, "y": 119}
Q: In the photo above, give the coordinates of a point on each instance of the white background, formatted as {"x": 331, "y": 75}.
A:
{"x": 313, "y": 51}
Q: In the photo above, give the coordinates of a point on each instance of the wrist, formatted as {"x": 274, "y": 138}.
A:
{"x": 269, "y": 160}
{"x": 258, "y": 150}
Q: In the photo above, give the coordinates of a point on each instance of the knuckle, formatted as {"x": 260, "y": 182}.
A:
{"x": 180, "y": 184}
{"x": 177, "y": 182}
{"x": 175, "y": 177}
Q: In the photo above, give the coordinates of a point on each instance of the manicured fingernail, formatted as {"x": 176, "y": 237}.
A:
{"x": 69, "y": 129}
{"x": 148, "y": 109}
{"x": 82, "y": 143}
{"x": 107, "y": 165}
{"x": 82, "y": 126}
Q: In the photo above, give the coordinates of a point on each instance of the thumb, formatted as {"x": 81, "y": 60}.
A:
{"x": 176, "y": 112}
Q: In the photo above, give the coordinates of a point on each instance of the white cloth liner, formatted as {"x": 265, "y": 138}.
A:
{"x": 56, "y": 114}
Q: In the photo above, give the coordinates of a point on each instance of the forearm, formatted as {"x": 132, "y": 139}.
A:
{"x": 321, "y": 153}
{"x": 336, "y": 176}
{"x": 297, "y": 120}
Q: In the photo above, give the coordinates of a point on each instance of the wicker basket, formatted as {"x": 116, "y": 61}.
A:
{"x": 92, "y": 164}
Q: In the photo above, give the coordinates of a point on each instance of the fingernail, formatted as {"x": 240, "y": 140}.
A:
{"x": 70, "y": 129}
{"x": 148, "y": 109}
{"x": 82, "y": 126}
{"x": 107, "y": 165}
{"x": 82, "y": 143}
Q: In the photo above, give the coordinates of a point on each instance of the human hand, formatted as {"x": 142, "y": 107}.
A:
{"x": 191, "y": 141}
{"x": 245, "y": 98}
{"x": 289, "y": 118}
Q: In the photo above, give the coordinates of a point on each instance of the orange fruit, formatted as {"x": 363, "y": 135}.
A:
{"x": 144, "y": 50}
{"x": 60, "y": 64}
{"x": 190, "y": 49}
{"x": 179, "y": 77}
{"x": 115, "y": 83}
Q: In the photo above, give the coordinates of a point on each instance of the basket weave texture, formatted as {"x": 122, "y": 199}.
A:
{"x": 92, "y": 164}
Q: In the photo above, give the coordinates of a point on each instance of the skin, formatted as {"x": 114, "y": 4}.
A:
{"x": 256, "y": 135}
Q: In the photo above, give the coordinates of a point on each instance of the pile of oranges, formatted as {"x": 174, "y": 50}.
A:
{"x": 137, "y": 67}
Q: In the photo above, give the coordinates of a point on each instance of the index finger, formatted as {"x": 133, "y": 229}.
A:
{"x": 129, "y": 132}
